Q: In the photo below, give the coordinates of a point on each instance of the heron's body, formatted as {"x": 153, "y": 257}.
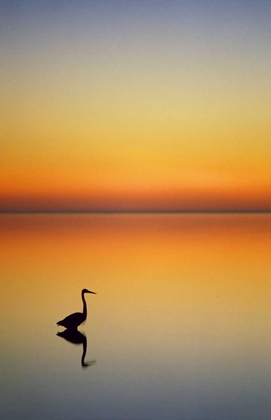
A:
{"x": 74, "y": 320}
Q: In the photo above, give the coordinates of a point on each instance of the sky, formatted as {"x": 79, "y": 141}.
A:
{"x": 135, "y": 105}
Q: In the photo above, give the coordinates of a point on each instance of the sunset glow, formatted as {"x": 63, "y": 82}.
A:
{"x": 135, "y": 106}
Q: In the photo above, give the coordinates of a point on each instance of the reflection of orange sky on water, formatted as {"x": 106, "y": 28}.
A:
{"x": 138, "y": 251}
{"x": 176, "y": 236}
{"x": 163, "y": 277}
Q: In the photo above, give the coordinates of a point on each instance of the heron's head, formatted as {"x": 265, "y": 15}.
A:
{"x": 87, "y": 291}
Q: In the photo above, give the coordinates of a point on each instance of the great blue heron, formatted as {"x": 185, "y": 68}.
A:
{"x": 74, "y": 320}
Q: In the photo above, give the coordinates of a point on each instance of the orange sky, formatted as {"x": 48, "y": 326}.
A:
{"x": 136, "y": 107}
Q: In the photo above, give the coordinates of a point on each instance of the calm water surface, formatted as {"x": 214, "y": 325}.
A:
{"x": 180, "y": 327}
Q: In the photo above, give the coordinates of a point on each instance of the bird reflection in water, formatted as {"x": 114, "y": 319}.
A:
{"x": 71, "y": 334}
{"x": 76, "y": 337}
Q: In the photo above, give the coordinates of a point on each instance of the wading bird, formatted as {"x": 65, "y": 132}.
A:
{"x": 74, "y": 320}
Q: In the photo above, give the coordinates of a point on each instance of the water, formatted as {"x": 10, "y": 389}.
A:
{"x": 180, "y": 326}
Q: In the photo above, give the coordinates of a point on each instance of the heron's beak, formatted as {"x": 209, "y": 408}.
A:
{"x": 94, "y": 293}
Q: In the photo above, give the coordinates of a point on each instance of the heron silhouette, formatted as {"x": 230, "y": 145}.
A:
{"x": 74, "y": 320}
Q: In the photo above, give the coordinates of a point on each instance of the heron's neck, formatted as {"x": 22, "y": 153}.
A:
{"x": 84, "y": 305}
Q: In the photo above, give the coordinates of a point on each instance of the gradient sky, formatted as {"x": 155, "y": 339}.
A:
{"x": 135, "y": 105}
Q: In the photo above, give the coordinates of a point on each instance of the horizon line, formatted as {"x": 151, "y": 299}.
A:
{"x": 248, "y": 211}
